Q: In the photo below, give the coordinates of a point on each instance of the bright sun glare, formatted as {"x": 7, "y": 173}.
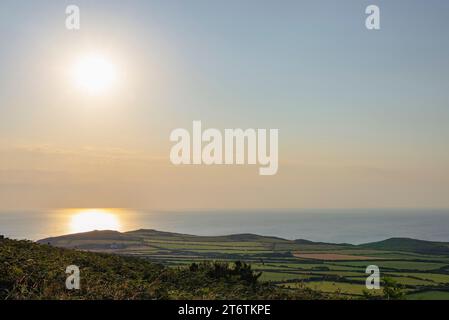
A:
{"x": 94, "y": 73}
{"x": 93, "y": 219}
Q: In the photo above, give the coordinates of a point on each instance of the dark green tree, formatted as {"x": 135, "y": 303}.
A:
{"x": 392, "y": 290}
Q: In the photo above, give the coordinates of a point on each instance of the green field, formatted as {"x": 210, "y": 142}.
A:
{"x": 339, "y": 269}
{"x": 429, "y": 295}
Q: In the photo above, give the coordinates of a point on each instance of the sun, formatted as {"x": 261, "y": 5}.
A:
{"x": 94, "y": 73}
{"x": 93, "y": 219}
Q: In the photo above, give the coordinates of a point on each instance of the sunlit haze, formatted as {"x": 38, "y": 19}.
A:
{"x": 94, "y": 73}
{"x": 85, "y": 116}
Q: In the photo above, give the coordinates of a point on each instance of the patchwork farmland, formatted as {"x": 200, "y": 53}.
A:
{"x": 421, "y": 268}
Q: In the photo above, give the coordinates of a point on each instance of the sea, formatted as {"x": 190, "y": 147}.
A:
{"x": 353, "y": 226}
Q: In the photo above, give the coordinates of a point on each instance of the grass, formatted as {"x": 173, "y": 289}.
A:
{"x": 416, "y": 271}
{"x": 396, "y": 265}
{"x": 281, "y": 276}
{"x": 429, "y": 295}
{"x": 35, "y": 271}
{"x": 406, "y": 281}
{"x": 331, "y": 287}
{"x": 438, "y": 278}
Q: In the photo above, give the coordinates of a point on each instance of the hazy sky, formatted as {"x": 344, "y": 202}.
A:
{"x": 363, "y": 115}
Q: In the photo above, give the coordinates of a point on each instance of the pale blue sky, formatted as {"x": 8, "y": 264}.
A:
{"x": 342, "y": 96}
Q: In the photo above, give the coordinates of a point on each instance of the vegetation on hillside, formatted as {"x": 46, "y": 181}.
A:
{"x": 410, "y": 245}
{"x": 417, "y": 268}
{"x": 37, "y": 271}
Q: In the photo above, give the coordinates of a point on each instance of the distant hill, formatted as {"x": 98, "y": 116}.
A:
{"x": 93, "y": 240}
{"x": 108, "y": 239}
{"x": 92, "y": 235}
{"x": 410, "y": 245}
{"x": 113, "y": 239}
{"x": 233, "y": 237}
{"x": 155, "y": 233}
